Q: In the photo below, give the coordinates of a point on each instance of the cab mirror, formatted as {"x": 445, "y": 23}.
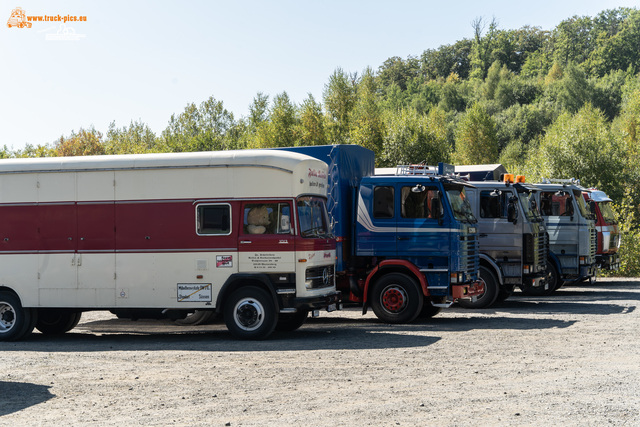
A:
{"x": 592, "y": 207}
{"x": 436, "y": 208}
{"x": 512, "y": 213}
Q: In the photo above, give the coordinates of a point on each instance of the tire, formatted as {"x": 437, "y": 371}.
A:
{"x": 503, "y": 295}
{"x": 491, "y": 290}
{"x": 56, "y": 322}
{"x": 428, "y": 310}
{"x": 199, "y": 317}
{"x": 250, "y": 313}
{"x": 291, "y": 322}
{"x": 396, "y": 298}
{"x": 15, "y": 320}
{"x": 554, "y": 283}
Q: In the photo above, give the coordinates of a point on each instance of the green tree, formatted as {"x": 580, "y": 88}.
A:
{"x": 412, "y": 138}
{"x": 367, "y": 125}
{"x": 311, "y": 124}
{"x": 87, "y": 142}
{"x": 202, "y": 128}
{"x": 138, "y": 138}
{"x": 476, "y": 139}
{"x": 581, "y": 146}
{"x": 339, "y": 100}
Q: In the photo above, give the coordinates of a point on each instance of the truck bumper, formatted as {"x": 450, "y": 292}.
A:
{"x": 535, "y": 281}
{"x": 467, "y": 291}
{"x": 329, "y": 301}
{"x": 588, "y": 272}
{"x": 608, "y": 261}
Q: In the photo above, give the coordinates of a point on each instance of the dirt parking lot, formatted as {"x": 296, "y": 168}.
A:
{"x": 570, "y": 359}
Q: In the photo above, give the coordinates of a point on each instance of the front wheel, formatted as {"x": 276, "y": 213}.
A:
{"x": 55, "y": 322}
{"x": 491, "y": 290}
{"x": 250, "y": 313}
{"x": 15, "y": 320}
{"x": 396, "y": 298}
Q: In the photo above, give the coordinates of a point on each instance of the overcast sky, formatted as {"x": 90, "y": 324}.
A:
{"x": 145, "y": 60}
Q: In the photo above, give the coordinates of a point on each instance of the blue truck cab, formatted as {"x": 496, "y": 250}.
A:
{"x": 407, "y": 243}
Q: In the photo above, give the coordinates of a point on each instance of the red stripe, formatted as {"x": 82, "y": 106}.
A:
{"x": 153, "y": 226}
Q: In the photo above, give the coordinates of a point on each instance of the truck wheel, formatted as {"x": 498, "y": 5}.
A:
{"x": 198, "y": 317}
{"x": 55, "y": 322}
{"x": 291, "y": 322}
{"x": 250, "y": 313}
{"x": 428, "y": 310}
{"x": 396, "y": 298}
{"x": 491, "y": 290}
{"x": 552, "y": 278}
{"x": 15, "y": 320}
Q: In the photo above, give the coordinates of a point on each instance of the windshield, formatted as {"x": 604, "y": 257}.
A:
{"x": 607, "y": 213}
{"x": 582, "y": 205}
{"x": 459, "y": 203}
{"x": 528, "y": 202}
{"x": 314, "y": 220}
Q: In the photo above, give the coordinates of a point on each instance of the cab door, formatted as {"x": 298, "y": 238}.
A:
{"x": 265, "y": 242}
{"x": 422, "y": 229}
{"x": 497, "y": 236}
{"x": 376, "y": 220}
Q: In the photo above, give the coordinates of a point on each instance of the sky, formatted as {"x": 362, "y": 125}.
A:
{"x": 143, "y": 61}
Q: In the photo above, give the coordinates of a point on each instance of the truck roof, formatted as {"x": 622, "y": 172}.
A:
{"x": 598, "y": 196}
{"x": 276, "y": 159}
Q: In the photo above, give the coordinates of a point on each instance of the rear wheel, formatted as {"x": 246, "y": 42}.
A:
{"x": 199, "y": 317}
{"x": 55, "y": 322}
{"x": 291, "y": 322}
{"x": 250, "y": 313}
{"x": 553, "y": 282}
{"x": 15, "y": 320}
{"x": 396, "y": 298}
{"x": 491, "y": 290}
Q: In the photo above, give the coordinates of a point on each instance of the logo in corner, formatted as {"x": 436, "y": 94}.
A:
{"x": 18, "y": 19}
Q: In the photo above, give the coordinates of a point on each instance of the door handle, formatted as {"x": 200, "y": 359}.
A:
{"x": 403, "y": 238}
{"x": 483, "y": 234}
{"x": 245, "y": 241}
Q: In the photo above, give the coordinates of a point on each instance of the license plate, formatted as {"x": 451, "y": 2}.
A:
{"x": 332, "y": 307}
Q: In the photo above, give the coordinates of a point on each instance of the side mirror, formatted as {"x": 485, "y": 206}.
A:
{"x": 285, "y": 225}
{"x": 592, "y": 207}
{"x": 512, "y": 212}
{"x": 436, "y": 207}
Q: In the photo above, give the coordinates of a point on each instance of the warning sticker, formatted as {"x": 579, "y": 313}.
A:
{"x": 194, "y": 292}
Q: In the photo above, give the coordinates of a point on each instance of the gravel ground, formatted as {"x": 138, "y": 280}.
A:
{"x": 570, "y": 359}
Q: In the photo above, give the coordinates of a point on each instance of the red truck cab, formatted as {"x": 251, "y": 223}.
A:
{"x": 607, "y": 256}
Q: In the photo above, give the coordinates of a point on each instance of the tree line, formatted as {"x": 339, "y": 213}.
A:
{"x": 559, "y": 103}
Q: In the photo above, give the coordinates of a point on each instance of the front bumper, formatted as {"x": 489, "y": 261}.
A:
{"x": 330, "y": 300}
{"x": 467, "y": 291}
{"x": 588, "y": 271}
{"x": 535, "y": 281}
{"x": 608, "y": 261}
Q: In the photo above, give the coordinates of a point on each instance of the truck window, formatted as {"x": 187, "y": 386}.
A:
{"x": 213, "y": 220}
{"x": 418, "y": 205}
{"x": 607, "y": 213}
{"x": 267, "y": 218}
{"x": 383, "y": 206}
{"x": 554, "y": 203}
{"x": 313, "y": 216}
{"x": 492, "y": 204}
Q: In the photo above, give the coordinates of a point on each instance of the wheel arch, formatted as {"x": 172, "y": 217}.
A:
{"x": 488, "y": 262}
{"x": 393, "y": 266}
{"x": 236, "y": 281}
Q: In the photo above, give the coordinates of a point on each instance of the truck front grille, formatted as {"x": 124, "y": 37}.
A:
{"x": 593, "y": 247}
{"x": 319, "y": 277}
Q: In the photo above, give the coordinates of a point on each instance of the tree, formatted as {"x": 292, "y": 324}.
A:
{"x": 367, "y": 126}
{"x": 412, "y": 138}
{"x": 311, "y": 124}
{"x": 138, "y": 138}
{"x": 280, "y": 129}
{"x": 339, "y": 99}
{"x": 476, "y": 140}
{"x": 397, "y": 71}
{"x": 84, "y": 143}
{"x": 447, "y": 59}
{"x": 202, "y": 128}
{"x": 581, "y": 146}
